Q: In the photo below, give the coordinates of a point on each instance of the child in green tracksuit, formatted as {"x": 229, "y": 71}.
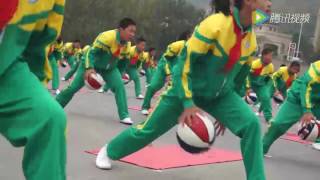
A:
{"x": 147, "y": 65}
{"x": 66, "y": 95}
{"x": 111, "y": 39}
{"x": 163, "y": 72}
{"x": 29, "y": 116}
{"x": 261, "y": 83}
{"x": 108, "y": 48}
{"x": 204, "y": 77}
{"x": 153, "y": 65}
{"x": 72, "y": 53}
{"x": 284, "y": 78}
{"x": 302, "y": 103}
{"x": 137, "y": 57}
{"x": 55, "y": 56}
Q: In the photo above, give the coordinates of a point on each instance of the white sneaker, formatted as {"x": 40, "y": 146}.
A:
{"x": 63, "y": 79}
{"x": 267, "y": 156}
{"x": 126, "y": 82}
{"x": 145, "y": 112}
{"x": 57, "y": 92}
{"x": 101, "y": 90}
{"x": 126, "y": 121}
{"x": 140, "y": 96}
{"x": 316, "y": 146}
{"x": 102, "y": 160}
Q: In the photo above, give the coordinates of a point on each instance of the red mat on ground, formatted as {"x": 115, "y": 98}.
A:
{"x": 295, "y": 138}
{"x": 135, "y": 108}
{"x": 172, "y": 156}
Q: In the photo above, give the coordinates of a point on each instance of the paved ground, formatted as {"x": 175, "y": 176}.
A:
{"x": 92, "y": 121}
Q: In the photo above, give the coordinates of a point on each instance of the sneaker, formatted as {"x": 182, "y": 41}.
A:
{"x": 126, "y": 121}
{"x": 316, "y": 146}
{"x": 140, "y": 96}
{"x": 102, "y": 160}
{"x": 101, "y": 90}
{"x": 145, "y": 112}
{"x": 269, "y": 122}
{"x": 126, "y": 82}
{"x": 267, "y": 156}
{"x": 63, "y": 79}
{"x": 57, "y": 92}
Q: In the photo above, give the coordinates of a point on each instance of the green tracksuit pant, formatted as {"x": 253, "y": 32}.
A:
{"x": 111, "y": 77}
{"x": 242, "y": 91}
{"x": 230, "y": 109}
{"x": 264, "y": 97}
{"x": 158, "y": 81}
{"x": 30, "y": 117}
{"x": 148, "y": 76}
{"x": 122, "y": 66}
{"x": 78, "y": 82}
{"x": 283, "y": 92}
{"x": 70, "y": 60}
{"x": 73, "y": 68}
{"x": 290, "y": 113}
{"x": 55, "y": 71}
{"x": 152, "y": 70}
{"x": 133, "y": 73}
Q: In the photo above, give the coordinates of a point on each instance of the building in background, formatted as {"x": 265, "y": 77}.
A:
{"x": 268, "y": 36}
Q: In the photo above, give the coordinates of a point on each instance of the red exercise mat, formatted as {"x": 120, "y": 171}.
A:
{"x": 172, "y": 156}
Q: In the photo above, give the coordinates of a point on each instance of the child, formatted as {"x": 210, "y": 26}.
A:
{"x": 284, "y": 78}
{"x": 107, "y": 49}
{"x": 261, "y": 81}
{"x": 71, "y": 54}
{"x": 147, "y": 65}
{"x": 29, "y": 116}
{"x": 163, "y": 72}
{"x": 55, "y": 56}
{"x": 137, "y": 57}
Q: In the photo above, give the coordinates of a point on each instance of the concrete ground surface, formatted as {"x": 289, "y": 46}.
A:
{"x": 93, "y": 121}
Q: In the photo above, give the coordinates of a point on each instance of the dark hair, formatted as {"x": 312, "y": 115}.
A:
{"x": 223, "y": 6}
{"x": 59, "y": 39}
{"x": 283, "y": 65}
{"x": 238, "y": 3}
{"x": 77, "y": 41}
{"x": 185, "y": 35}
{"x": 295, "y": 64}
{"x": 266, "y": 51}
{"x": 140, "y": 39}
{"x": 151, "y": 49}
{"x": 126, "y": 22}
